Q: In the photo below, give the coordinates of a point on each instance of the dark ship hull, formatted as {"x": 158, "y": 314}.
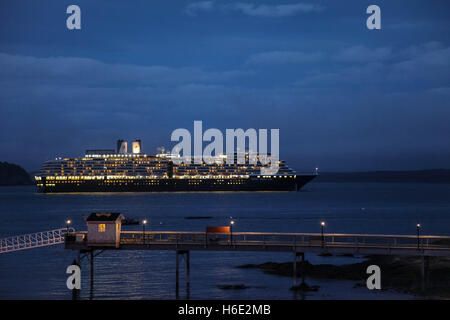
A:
{"x": 272, "y": 183}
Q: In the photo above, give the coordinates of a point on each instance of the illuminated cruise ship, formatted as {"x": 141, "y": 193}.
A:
{"x": 120, "y": 171}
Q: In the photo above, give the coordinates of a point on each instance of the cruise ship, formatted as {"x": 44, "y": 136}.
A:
{"x": 116, "y": 170}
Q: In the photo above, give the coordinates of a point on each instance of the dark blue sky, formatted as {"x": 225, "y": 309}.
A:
{"x": 344, "y": 97}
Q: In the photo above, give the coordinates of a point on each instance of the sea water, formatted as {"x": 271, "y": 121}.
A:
{"x": 39, "y": 273}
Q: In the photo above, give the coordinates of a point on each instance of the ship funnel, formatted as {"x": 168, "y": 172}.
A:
{"x": 121, "y": 146}
{"x": 136, "y": 146}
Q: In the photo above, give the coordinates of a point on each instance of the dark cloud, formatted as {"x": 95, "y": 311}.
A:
{"x": 97, "y": 102}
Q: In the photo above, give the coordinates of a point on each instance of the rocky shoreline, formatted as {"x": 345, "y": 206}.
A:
{"x": 402, "y": 274}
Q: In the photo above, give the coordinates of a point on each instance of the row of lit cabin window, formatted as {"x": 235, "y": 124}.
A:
{"x": 150, "y": 171}
{"x": 119, "y": 178}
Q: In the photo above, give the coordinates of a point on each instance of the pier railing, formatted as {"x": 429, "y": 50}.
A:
{"x": 288, "y": 241}
{"x": 34, "y": 240}
{"x": 250, "y": 241}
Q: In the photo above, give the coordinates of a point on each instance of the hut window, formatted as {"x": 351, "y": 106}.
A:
{"x": 101, "y": 227}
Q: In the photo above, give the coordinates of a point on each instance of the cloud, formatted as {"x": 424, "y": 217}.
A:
{"x": 254, "y": 10}
{"x": 282, "y": 10}
{"x": 379, "y": 112}
{"x": 428, "y": 68}
{"x": 363, "y": 54}
{"x": 415, "y": 68}
{"x": 86, "y": 71}
{"x": 415, "y": 51}
{"x": 281, "y": 57}
{"x": 194, "y": 8}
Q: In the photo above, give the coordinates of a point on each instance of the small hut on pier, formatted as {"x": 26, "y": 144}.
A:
{"x": 104, "y": 229}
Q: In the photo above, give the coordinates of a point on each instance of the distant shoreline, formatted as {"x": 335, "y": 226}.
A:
{"x": 13, "y": 175}
{"x": 417, "y": 176}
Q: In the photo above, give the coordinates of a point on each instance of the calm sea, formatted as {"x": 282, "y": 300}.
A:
{"x": 346, "y": 207}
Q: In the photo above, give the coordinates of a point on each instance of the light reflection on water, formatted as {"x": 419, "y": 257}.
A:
{"x": 353, "y": 208}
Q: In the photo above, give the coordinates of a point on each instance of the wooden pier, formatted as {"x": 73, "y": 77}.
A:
{"x": 105, "y": 234}
{"x": 297, "y": 243}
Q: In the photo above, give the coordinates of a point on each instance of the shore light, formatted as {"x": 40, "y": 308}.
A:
{"x": 322, "y": 226}
{"x": 144, "y": 222}
{"x": 231, "y": 230}
{"x": 418, "y": 235}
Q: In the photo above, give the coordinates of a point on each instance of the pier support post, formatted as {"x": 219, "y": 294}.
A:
{"x": 177, "y": 276}
{"x": 188, "y": 275}
{"x": 294, "y": 270}
{"x": 303, "y": 267}
{"x": 425, "y": 271}
{"x": 177, "y": 273}
{"x": 91, "y": 291}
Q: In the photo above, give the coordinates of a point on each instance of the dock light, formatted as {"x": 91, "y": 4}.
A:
{"x": 322, "y": 226}
{"x": 231, "y": 231}
{"x": 68, "y": 222}
{"x": 418, "y": 235}
{"x": 144, "y": 222}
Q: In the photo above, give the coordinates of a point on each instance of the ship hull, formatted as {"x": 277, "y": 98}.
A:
{"x": 179, "y": 185}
